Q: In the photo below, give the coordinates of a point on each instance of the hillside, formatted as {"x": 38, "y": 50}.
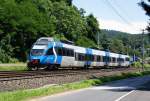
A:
{"x": 129, "y": 41}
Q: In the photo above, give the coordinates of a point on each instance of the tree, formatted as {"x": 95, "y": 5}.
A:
{"x": 22, "y": 22}
{"x": 117, "y": 46}
{"x": 92, "y": 27}
{"x": 146, "y": 7}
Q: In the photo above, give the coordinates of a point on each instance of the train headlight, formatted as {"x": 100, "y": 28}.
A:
{"x": 35, "y": 61}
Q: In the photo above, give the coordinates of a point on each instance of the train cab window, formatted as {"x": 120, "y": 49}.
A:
{"x": 37, "y": 52}
{"x": 50, "y": 51}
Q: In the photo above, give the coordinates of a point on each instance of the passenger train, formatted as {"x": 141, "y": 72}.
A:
{"x": 47, "y": 53}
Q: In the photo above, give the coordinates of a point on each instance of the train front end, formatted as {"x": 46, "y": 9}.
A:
{"x": 38, "y": 55}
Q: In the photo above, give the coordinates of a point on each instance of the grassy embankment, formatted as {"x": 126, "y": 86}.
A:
{"x": 27, "y": 94}
{"x": 13, "y": 67}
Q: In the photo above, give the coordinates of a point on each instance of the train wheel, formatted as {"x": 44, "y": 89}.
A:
{"x": 34, "y": 68}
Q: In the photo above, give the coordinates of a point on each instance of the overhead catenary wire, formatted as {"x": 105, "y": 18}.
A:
{"x": 110, "y": 5}
{"x": 121, "y": 9}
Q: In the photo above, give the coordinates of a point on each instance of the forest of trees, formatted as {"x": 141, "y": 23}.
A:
{"x": 22, "y": 22}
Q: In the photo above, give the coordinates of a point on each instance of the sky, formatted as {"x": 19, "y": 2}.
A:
{"x": 120, "y": 15}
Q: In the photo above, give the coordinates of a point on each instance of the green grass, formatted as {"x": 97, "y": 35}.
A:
{"x": 27, "y": 94}
{"x": 147, "y": 66}
{"x": 13, "y": 68}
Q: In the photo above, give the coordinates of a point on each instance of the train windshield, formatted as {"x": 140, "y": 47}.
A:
{"x": 37, "y": 52}
{"x": 42, "y": 42}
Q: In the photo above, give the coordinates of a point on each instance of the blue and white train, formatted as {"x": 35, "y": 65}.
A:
{"x": 49, "y": 53}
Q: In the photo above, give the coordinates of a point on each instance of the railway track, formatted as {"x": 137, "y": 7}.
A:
{"x": 11, "y": 75}
{"x": 10, "y": 80}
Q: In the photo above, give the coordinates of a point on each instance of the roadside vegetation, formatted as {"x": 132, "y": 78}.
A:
{"x": 139, "y": 65}
{"x": 13, "y": 68}
{"x": 28, "y": 94}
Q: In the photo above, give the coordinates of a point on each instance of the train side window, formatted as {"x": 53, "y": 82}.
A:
{"x": 127, "y": 59}
{"x": 82, "y": 57}
{"x": 122, "y": 60}
{"x": 79, "y": 57}
{"x": 113, "y": 59}
{"x": 50, "y": 51}
{"x": 64, "y": 51}
{"x": 58, "y": 50}
{"x": 72, "y": 53}
{"x": 106, "y": 59}
{"x": 98, "y": 58}
{"x": 68, "y": 52}
{"x": 118, "y": 59}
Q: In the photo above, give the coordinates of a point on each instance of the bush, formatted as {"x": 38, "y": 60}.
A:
{"x": 5, "y": 58}
{"x": 137, "y": 65}
{"x": 147, "y": 66}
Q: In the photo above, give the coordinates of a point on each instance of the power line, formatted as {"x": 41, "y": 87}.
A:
{"x": 107, "y": 2}
{"x": 121, "y": 9}
{"x": 116, "y": 11}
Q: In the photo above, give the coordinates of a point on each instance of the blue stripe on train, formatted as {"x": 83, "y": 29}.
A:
{"x": 59, "y": 58}
{"x": 88, "y": 52}
{"x": 107, "y": 54}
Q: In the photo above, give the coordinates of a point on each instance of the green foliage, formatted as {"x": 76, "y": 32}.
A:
{"x": 22, "y": 22}
{"x": 92, "y": 27}
{"x": 146, "y": 7}
{"x": 84, "y": 41}
{"x": 13, "y": 68}
{"x": 137, "y": 65}
{"x": 124, "y": 43}
{"x": 147, "y": 66}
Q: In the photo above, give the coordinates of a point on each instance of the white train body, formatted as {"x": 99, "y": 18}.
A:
{"x": 49, "y": 53}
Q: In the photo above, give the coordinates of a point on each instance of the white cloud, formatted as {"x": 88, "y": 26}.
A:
{"x": 134, "y": 28}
